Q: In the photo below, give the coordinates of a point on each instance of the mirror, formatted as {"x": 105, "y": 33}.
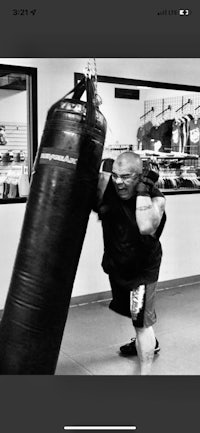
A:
{"x": 18, "y": 130}
{"x": 160, "y": 121}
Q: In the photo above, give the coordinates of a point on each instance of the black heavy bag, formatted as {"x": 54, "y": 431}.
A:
{"x": 62, "y": 190}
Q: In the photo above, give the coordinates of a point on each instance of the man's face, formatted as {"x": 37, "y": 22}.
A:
{"x": 124, "y": 179}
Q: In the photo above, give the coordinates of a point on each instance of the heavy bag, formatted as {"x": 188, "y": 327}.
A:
{"x": 63, "y": 185}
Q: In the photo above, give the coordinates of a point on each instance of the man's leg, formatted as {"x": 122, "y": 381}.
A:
{"x": 145, "y": 344}
{"x": 142, "y": 307}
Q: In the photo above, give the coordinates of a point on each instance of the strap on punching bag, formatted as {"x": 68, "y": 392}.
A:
{"x": 87, "y": 85}
{"x": 78, "y": 90}
{"x": 91, "y": 112}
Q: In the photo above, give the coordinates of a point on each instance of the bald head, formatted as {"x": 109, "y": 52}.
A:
{"x": 125, "y": 174}
{"x": 129, "y": 160}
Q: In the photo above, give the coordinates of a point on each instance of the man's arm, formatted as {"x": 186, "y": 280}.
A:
{"x": 149, "y": 212}
{"x": 150, "y": 204}
{"x": 102, "y": 184}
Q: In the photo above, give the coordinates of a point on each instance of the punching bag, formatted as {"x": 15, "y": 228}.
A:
{"x": 62, "y": 190}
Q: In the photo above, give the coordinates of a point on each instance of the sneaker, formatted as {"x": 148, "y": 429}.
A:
{"x": 130, "y": 348}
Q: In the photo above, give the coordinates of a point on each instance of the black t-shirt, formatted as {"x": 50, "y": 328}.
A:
{"x": 143, "y": 136}
{"x": 129, "y": 257}
{"x": 165, "y": 134}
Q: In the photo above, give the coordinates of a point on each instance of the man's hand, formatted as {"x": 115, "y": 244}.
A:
{"x": 148, "y": 178}
{"x": 149, "y": 210}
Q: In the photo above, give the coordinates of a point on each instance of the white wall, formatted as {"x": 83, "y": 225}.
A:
{"x": 55, "y": 79}
{"x": 55, "y": 76}
{"x": 180, "y": 243}
{"x": 122, "y": 115}
{"x": 11, "y": 217}
{"x": 13, "y": 106}
{"x": 181, "y": 237}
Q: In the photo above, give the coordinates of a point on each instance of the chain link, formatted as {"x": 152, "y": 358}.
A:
{"x": 97, "y": 97}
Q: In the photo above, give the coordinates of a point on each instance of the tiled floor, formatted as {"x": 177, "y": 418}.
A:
{"x": 93, "y": 334}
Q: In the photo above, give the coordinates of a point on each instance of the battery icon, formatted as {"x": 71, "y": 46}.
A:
{"x": 184, "y": 12}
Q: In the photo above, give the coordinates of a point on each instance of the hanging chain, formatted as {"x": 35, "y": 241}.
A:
{"x": 97, "y": 97}
{"x": 95, "y": 76}
{"x": 89, "y": 71}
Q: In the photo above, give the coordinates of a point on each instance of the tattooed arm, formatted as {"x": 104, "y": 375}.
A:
{"x": 149, "y": 212}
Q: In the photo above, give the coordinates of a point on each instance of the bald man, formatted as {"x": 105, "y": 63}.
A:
{"x": 132, "y": 212}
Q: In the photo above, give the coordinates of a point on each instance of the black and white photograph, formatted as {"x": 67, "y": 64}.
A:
{"x": 100, "y": 219}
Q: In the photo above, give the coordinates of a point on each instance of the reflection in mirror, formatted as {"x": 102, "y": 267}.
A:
{"x": 159, "y": 121}
{"x": 15, "y": 137}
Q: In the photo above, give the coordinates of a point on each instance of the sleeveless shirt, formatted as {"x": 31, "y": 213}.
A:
{"x": 129, "y": 257}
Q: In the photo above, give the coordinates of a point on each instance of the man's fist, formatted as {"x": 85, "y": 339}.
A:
{"x": 148, "y": 178}
{"x": 150, "y": 173}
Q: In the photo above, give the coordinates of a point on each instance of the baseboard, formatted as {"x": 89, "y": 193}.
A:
{"x": 178, "y": 282}
{"x": 92, "y": 297}
{"x": 162, "y": 285}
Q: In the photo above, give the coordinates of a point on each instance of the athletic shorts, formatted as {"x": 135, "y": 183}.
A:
{"x": 140, "y": 307}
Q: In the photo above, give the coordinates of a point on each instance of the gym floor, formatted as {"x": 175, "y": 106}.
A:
{"x": 94, "y": 333}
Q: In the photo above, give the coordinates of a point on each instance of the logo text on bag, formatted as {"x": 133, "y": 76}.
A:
{"x": 58, "y": 157}
{"x": 61, "y": 158}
